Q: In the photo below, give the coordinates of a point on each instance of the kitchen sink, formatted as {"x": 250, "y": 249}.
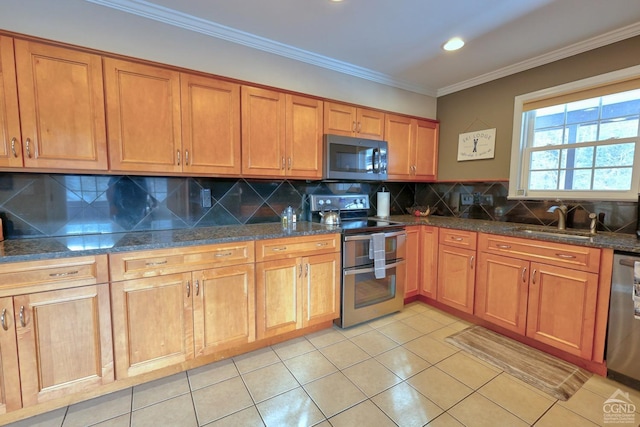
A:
{"x": 564, "y": 234}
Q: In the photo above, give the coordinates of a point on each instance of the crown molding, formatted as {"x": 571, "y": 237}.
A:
{"x": 188, "y": 22}
{"x": 192, "y": 23}
{"x": 574, "y": 49}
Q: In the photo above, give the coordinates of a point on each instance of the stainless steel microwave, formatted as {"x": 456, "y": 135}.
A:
{"x": 348, "y": 158}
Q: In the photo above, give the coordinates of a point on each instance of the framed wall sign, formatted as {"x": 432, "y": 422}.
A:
{"x": 480, "y": 144}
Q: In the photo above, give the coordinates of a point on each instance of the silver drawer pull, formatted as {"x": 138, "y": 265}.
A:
{"x": 565, "y": 256}
{"x": 151, "y": 264}
{"x": 322, "y": 244}
{"x": 223, "y": 254}
{"x": 284, "y": 248}
{"x": 503, "y": 246}
{"x": 22, "y": 320}
{"x": 457, "y": 239}
{"x": 67, "y": 273}
{"x": 3, "y": 319}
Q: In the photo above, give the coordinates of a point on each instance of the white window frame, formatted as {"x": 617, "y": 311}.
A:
{"x": 520, "y": 165}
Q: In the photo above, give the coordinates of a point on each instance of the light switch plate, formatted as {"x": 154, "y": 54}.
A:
{"x": 205, "y": 197}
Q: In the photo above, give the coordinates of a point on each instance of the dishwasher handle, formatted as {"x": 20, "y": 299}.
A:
{"x": 628, "y": 262}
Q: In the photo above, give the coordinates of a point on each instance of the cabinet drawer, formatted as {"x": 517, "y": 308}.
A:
{"x": 560, "y": 254}
{"x": 459, "y": 238}
{"x": 139, "y": 264}
{"x": 292, "y": 247}
{"x": 37, "y": 276}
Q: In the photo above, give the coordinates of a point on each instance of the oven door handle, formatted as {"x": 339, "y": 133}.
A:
{"x": 368, "y": 236}
{"x": 371, "y": 269}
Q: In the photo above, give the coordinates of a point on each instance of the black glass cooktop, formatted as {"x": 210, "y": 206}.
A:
{"x": 369, "y": 225}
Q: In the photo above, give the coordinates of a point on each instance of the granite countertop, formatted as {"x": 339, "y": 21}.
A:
{"x": 95, "y": 244}
{"x": 62, "y": 247}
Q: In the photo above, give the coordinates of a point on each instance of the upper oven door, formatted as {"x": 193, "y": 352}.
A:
{"x": 354, "y": 158}
{"x": 356, "y": 249}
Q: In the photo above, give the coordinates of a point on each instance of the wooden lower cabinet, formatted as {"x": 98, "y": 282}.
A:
{"x": 562, "y": 308}
{"x": 64, "y": 342}
{"x": 10, "y": 398}
{"x": 429, "y": 261}
{"x": 456, "y": 268}
{"x": 321, "y": 288}
{"x": 502, "y": 286}
{"x": 413, "y": 258}
{"x": 152, "y": 323}
{"x": 224, "y": 308}
{"x": 278, "y": 297}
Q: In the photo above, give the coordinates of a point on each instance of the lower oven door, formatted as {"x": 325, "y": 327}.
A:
{"x": 364, "y": 297}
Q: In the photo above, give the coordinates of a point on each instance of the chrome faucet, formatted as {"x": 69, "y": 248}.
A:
{"x": 562, "y": 214}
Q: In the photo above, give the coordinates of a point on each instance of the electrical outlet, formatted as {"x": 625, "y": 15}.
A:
{"x": 205, "y": 197}
{"x": 466, "y": 199}
{"x": 487, "y": 200}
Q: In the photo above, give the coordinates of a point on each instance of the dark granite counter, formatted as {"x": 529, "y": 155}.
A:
{"x": 616, "y": 241}
{"x": 95, "y": 244}
{"x": 63, "y": 247}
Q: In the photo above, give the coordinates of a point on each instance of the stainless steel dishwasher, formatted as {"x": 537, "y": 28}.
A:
{"x": 623, "y": 333}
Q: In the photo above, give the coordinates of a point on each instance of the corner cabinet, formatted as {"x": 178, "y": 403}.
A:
{"x": 456, "y": 268}
{"x": 429, "y": 261}
{"x": 281, "y": 134}
{"x": 58, "y": 94}
{"x": 414, "y": 144}
{"x": 297, "y": 283}
{"x": 62, "y": 325}
{"x": 347, "y": 120}
{"x": 413, "y": 254}
{"x": 166, "y": 304}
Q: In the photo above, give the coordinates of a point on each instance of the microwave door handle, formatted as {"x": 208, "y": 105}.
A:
{"x": 373, "y": 160}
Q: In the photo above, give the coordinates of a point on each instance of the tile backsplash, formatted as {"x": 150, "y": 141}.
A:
{"x": 42, "y": 205}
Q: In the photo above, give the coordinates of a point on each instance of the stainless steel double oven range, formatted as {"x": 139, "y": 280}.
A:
{"x": 373, "y": 258}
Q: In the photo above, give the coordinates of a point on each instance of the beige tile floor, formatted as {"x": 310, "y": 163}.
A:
{"x": 394, "y": 371}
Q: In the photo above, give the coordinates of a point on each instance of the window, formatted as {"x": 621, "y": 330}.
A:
{"x": 579, "y": 141}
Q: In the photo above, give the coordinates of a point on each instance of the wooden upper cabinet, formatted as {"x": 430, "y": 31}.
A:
{"x": 10, "y": 139}
{"x": 210, "y": 125}
{"x": 400, "y": 135}
{"x": 341, "y": 119}
{"x": 263, "y": 132}
{"x": 426, "y": 150}
{"x": 413, "y": 145}
{"x": 303, "y": 138}
{"x": 143, "y": 117}
{"x": 61, "y": 107}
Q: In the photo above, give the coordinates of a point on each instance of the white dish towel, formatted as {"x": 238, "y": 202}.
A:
{"x": 378, "y": 249}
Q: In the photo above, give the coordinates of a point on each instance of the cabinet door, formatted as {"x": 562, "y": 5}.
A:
{"x": 501, "y": 291}
{"x": 400, "y": 135}
{"x": 429, "y": 261}
{"x": 143, "y": 117}
{"x": 10, "y": 140}
{"x": 562, "y": 307}
{"x": 304, "y": 137}
{"x": 263, "y": 132}
{"x": 412, "y": 245}
{"x": 152, "y": 323}
{"x": 9, "y": 374}
{"x": 426, "y": 150}
{"x": 64, "y": 342}
{"x": 278, "y": 297}
{"x": 61, "y": 107}
{"x": 339, "y": 119}
{"x": 321, "y": 288}
{"x": 370, "y": 124}
{"x": 456, "y": 271}
{"x": 210, "y": 125}
{"x": 223, "y": 308}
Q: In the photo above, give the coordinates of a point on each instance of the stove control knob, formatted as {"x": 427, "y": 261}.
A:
{"x": 328, "y": 201}
{"x": 321, "y": 202}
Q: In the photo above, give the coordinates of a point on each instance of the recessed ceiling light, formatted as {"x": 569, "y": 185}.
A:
{"x": 453, "y": 44}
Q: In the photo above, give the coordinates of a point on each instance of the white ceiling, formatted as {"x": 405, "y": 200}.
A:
{"x": 398, "y": 42}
